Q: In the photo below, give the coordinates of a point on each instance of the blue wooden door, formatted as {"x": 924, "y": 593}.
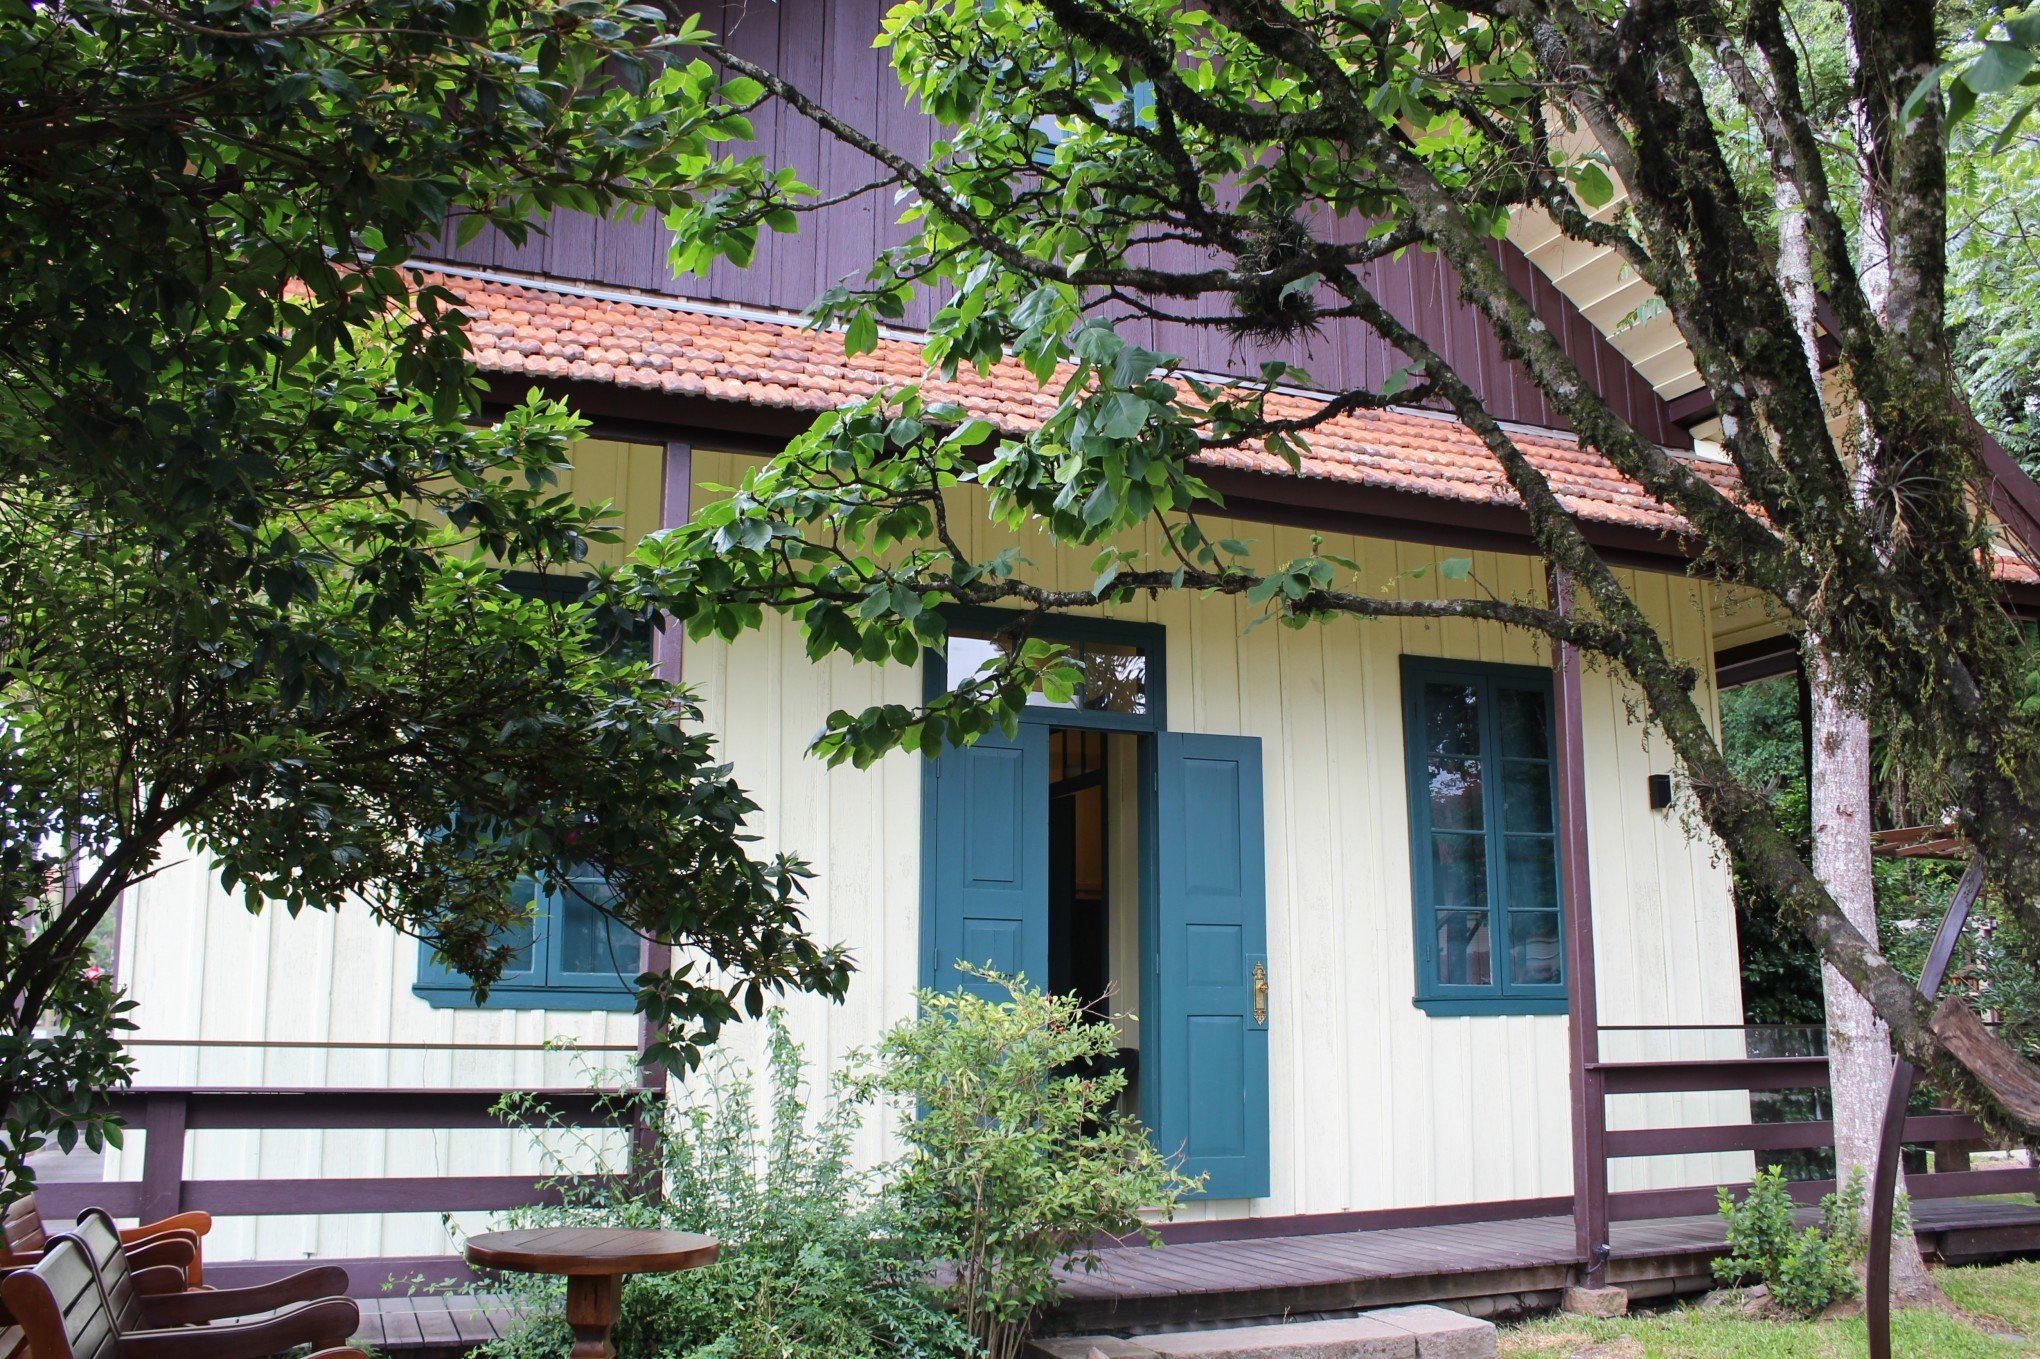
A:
{"x": 987, "y": 822}
{"x": 1208, "y": 1047}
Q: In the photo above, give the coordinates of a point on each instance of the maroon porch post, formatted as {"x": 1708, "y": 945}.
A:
{"x": 164, "y": 1118}
{"x": 1589, "y": 1097}
{"x": 674, "y": 509}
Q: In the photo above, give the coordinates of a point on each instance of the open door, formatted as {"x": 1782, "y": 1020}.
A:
{"x": 1206, "y": 1016}
{"x": 987, "y": 824}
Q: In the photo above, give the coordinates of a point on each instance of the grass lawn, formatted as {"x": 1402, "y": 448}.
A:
{"x": 2002, "y": 1304}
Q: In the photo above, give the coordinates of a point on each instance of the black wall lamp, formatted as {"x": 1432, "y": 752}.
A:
{"x": 1660, "y": 792}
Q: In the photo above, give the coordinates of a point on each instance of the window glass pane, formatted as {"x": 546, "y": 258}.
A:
{"x": 1115, "y": 678}
{"x": 1525, "y": 723}
{"x": 1534, "y": 950}
{"x": 1530, "y": 870}
{"x": 1454, "y": 793}
{"x": 1452, "y": 719}
{"x": 1526, "y": 795}
{"x": 523, "y": 893}
{"x": 1114, "y": 674}
{"x": 1458, "y": 870}
{"x": 585, "y": 940}
{"x": 1463, "y": 949}
{"x": 968, "y": 655}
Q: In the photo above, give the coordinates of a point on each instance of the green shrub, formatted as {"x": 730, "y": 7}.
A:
{"x": 812, "y": 1264}
{"x": 1806, "y": 1269}
{"x": 1017, "y": 1159}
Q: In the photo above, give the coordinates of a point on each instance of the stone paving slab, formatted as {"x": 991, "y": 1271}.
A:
{"x": 1350, "y": 1338}
{"x": 1088, "y": 1346}
{"x": 1442, "y": 1333}
{"x": 1392, "y": 1333}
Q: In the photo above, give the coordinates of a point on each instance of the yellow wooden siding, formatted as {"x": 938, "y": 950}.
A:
{"x": 629, "y": 478}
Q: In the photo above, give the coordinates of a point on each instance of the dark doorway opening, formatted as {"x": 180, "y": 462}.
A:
{"x": 1079, "y": 869}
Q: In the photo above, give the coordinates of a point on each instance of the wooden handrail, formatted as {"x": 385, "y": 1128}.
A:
{"x": 339, "y": 1107}
{"x": 1713, "y": 1073}
{"x": 1792, "y": 1136}
{"x": 169, "y": 1114}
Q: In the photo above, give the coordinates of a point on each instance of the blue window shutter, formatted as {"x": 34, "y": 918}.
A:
{"x": 1210, "y": 1105}
{"x": 988, "y": 892}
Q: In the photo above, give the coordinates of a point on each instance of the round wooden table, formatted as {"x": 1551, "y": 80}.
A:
{"x": 593, "y": 1261}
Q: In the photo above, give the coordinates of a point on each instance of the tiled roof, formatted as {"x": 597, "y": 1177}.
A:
{"x": 759, "y": 360}
{"x": 650, "y": 345}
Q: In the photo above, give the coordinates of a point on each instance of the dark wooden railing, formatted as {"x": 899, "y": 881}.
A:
{"x": 1940, "y": 1128}
{"x": 167, "y": 1117}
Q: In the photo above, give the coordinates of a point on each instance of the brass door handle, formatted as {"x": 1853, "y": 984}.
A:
{"x": 1260, "y": 993}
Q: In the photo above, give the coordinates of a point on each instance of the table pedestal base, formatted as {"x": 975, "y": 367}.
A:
{"x": 594, "y": 1301}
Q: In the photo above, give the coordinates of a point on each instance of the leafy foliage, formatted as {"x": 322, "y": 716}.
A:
{"x": 1764, "y": 739}
{"x": 60, "y": 1063}
{"x": 1806, "y": 1269}
{"x": 1017, "y": 1158}
{"x": 251, "y": 539}
{"x": 816, "y": 1263}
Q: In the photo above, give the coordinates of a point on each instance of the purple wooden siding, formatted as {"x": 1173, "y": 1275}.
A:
{"x": 824, "y": 46}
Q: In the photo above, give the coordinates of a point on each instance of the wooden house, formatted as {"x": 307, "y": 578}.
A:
{"x": 1379, "y": 903}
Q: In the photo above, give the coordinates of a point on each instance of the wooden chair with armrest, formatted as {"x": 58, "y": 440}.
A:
{"x": 66, "y": 1313}
{"x": 173, "y": 1241}
{"x": 151, "y": 1296}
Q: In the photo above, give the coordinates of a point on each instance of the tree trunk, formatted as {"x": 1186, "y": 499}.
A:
{"x": 1858, "y": 1044}
{"x": 1859, "y": 1049}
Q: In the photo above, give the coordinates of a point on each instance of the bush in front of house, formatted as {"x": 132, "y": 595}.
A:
{"x": 1806, "y": 1269}
{"x": 1017, "y": 1157}
{"x": 815, "y": 1264}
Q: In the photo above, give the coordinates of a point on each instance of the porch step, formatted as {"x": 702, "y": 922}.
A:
{"x": 1393, "y": 1333}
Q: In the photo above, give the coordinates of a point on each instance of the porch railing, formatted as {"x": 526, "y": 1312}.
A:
{"x": 1943, "y": 1129}
{"x": 168, "y": 1116}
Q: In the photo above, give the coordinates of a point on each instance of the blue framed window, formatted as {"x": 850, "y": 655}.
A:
{"x": 1484, "y": 861}
{"x": 571, "y": 955}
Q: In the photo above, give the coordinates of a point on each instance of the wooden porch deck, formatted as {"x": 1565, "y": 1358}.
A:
{"x": 1484, "y": 1267}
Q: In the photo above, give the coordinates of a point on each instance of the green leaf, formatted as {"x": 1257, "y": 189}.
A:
{"x": 1121, "y": 415}
{"x": 1596, "y": 190}
{"x": 1097, "y": 343}
{"x": 1999, "y": 67}
{"x": 1455, "y": 568}
{"x": 861, "y": 335}
{"x": 1308, "y": 283}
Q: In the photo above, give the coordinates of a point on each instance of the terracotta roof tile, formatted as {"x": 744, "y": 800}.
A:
{"x": 542, "y": 332}
{"x": 782, "y": 364}
{"x": 761, "y": 361}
